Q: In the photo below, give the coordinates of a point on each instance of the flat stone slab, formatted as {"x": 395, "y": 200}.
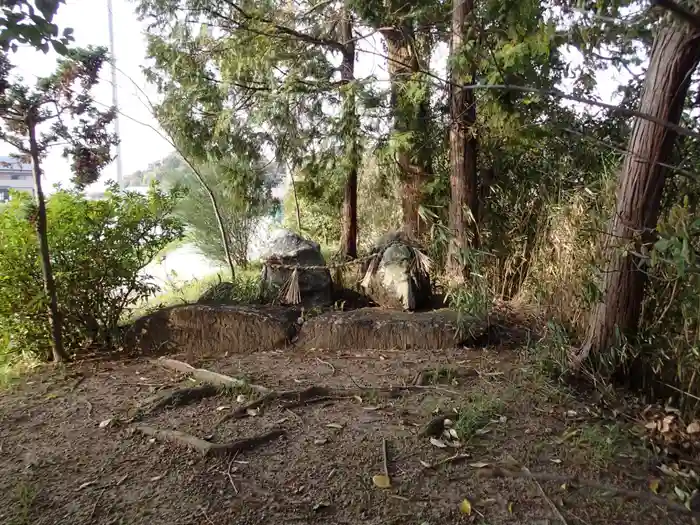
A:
{"x": 380, "y": 329}
{"x": 212, "y": 329}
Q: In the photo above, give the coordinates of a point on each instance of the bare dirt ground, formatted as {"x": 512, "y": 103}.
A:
{"x": 59, "y": 465}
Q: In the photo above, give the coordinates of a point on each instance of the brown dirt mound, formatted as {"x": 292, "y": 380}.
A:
{"x": 209, "y": 329}
{"x": 387, "y": 329}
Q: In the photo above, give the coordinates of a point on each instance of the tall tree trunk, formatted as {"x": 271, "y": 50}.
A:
{"x": 464, "y": 199}
{"x": 59, "y": 353}
{"x": 348, "y": 236}
{"x": 674, "y": 56}
{"x": 410, "y": 118}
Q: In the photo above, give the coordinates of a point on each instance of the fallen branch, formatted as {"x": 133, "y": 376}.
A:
{"x": 205, "y": 447}
{"x": 207, "y": 376}
{"x": 498, "y": 472}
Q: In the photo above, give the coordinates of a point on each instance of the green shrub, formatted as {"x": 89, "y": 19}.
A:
{"x": 98, "y": 250}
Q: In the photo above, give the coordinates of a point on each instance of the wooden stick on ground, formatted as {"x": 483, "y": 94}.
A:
{"x": 385, "y": 459}
{"x": 207, "y": 376}
{"x": 205, "y": 447}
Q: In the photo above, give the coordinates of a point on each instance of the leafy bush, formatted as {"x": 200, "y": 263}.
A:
{"x": 98, "y": 248}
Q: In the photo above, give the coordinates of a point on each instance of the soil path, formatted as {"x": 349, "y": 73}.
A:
{"x": 58, "y": 465}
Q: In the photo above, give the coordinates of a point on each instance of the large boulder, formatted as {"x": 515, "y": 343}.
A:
{"x": 397, "y": 276}
{"x": 205, "y": 329}
{"x": 286, "y": 251}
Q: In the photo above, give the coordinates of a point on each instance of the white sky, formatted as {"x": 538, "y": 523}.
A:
{"x": 141, "y": 145}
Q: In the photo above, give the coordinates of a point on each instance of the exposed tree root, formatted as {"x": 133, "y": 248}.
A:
{"x": 452, "y": 459}
{"x": 207, "y": 376}
{"x": 300, "y": 397}
{"x": 180, "y": 397}
{"x": 205, "y": 447}
{"x": 609, "y": 490}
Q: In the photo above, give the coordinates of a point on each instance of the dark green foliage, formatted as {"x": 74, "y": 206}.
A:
{"x": 30, "y": 22}
{"x": 98, "y": 249}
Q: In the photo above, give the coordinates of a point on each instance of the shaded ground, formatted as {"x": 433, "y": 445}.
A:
{"x": 58, "y": 466}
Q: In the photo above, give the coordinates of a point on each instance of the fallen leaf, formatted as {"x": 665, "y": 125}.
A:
{"x": 357, "y": 398}
{"x": 693, "y": 428}
{"x": 372, "y": 408}
{"x": 654, "y": 486}
{"x": 447, "y": 423}
{"x": 252, "y": 412}
{"x": 651, "y": 425}
{"x": 437, "y": 443}
{"x": 454, "y": 444}
{"x": 241, "y": 398}
{"x": 502, "y": 419}
{"x": 335, "y": 425}
{"x": 381, "y": 481}
{"x": 479, "y": 464}
{"x": 156, "y": 478}
{"x": 563, "y": 486}
{"x": 223, "y": 407}
{"x": 320, "y": 441}
{"x": 453, "y": 433}
{"x": 556, "y": 461}
{"x": 465, "y": 507}
{"x": 510, "y": 507}
{"x": 105, "y": 423}
{"x": 666, "y": 423}
{"x": 425, "y": 463}
{"x": 86, "y": 484}
{"x": 682, "y": 495}
{"x": 482, "y": 431}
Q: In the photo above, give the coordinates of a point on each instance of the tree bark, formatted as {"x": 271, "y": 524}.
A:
{"x": 59, "y": 353}
{"x": 348, "y": 236}
{"x": 410, "y": 118}
{"x": 464, "y": 199}
{"x": 674, "y": 56}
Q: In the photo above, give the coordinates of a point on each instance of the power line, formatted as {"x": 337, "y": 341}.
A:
{"x": 115, "y": 103}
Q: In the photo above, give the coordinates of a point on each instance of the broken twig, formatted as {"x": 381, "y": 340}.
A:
{"x": 385, "y": 459}
{"x": 327, "y": 364}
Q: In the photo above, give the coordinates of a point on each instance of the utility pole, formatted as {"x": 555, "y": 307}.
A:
{"x": 110, "y": 18}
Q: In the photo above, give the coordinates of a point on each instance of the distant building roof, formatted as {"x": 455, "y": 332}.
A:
{"x": 13, "y": 164}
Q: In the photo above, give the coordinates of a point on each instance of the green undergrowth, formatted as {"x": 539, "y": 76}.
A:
{"x": 244, "y": 288}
